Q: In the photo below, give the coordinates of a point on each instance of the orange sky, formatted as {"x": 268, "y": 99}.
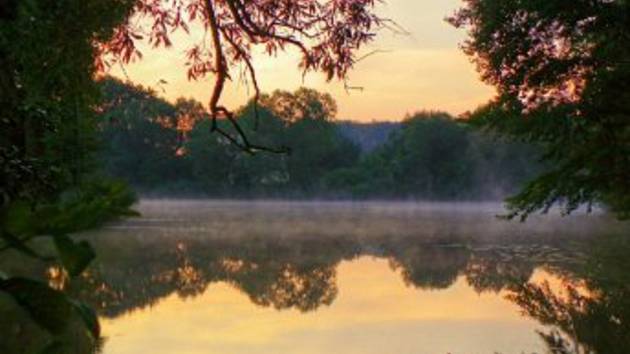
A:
{"x": 425, "y": 70}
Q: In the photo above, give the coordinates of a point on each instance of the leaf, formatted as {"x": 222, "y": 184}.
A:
{"x": 20, "y": 246}
{"x": 49, "y": 308}
{"x": 56, "y": 347}
{"x": 89, "y": 317}
{"x": 75, "y": 256}
{"x": 18, "y": 219}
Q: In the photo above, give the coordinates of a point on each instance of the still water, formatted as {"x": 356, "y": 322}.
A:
{"x": 193, "y": 277}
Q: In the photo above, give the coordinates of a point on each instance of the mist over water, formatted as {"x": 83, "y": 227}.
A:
{"x": 429, "y": 221}
{"x": 349, "y": 277}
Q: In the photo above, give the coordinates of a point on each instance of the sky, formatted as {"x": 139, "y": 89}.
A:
{"x": 425, "y": 70}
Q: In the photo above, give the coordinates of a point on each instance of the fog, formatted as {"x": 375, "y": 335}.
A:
{"x": 431, "y": 221}
{"x": 187, "y": 268}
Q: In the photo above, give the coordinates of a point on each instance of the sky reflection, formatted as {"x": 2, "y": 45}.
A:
{"x": 296, "y": 277}
{"x": 374, "y": 312}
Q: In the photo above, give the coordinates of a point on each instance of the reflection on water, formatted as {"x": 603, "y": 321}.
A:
{"x": 343, "y": 278}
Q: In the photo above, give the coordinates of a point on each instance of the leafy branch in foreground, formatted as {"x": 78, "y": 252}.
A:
{"x": 327, "y": 34}
{"x": 82, "y": 208}
{"x": 563, "y": 83}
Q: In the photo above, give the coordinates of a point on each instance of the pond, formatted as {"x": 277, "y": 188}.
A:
{"x": 339, "y": 277}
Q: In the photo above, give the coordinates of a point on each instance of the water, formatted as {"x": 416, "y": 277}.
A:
{"x": 319, "y": 277}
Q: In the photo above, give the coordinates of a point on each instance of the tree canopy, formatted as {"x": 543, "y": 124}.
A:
{"x": 147, "y": 143}
{"x": 48, "y": 186}
{"x": 327, "y": 34}
{"x": 562, "y": 74}
{"x": 431, "y": 155}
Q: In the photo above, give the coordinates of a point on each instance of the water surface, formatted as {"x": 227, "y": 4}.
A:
{"x": 322, "y": 277}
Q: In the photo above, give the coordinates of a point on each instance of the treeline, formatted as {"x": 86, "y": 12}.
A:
{"x": 170, "y": 149}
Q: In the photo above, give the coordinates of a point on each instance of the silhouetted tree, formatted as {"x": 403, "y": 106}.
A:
{"x": 327, "y": 34}
{"x": 562, "y": 74}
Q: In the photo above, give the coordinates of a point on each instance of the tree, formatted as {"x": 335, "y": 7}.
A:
{"x": 328, "y": 35}
{"x": 502, "y": 166}
{"x": 302, "y": 104}
{"x": 47, "y": 182}
{"x": 260, "y": 173}
{"x": 562, "y": 74}
{"x": 46, "y": 78}
{"x": 432, "y": 156}
{"x": 209, "y": 157}
{"x": 317, "y": 146}
{"x": 302, "y": 120}
{"x": 427, "y": 157}
{"x": 150, "y": 143}
{"x": 139, "y": 132}
{"x": 188, "y": 113}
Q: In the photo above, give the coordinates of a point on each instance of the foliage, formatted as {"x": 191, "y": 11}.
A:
{"x": 208, "y": 158}
{"x": 327, "y": 34}
{"x": 82, "y": 208}
{"x": 47, "y": 137}
{"x": 430, "y": 152}
{"x": 133, "y": 122}
{"x": 302, "y": 104}
{"x": 434, "y": 156}
{"x": 317, "y": 146}
{"x": 562, "y": 73}
{"x": 46, "y": 104}
{"x": 430, "y": 155}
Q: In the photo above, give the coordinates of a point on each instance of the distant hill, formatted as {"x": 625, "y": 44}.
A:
{"x": 368, "y": 136}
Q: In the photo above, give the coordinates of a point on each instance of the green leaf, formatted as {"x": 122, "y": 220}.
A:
{"x": 18, "y": 219}
{"x": 20, "y": 246}
{"x": 56, "y": 347}
{"x": 75, "y": 256}
{"x": 49, "y": 308}
{"x": 89, "y": 317}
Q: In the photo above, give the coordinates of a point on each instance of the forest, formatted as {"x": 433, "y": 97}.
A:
{"x": 168, "y": 150}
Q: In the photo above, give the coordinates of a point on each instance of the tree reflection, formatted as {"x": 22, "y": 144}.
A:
{"x": 304, "y": 287}
{"x": 300, "y": 274}
{"x": 430, "y": 266}
{"x": 590, "y": 309}
{"x": 271, "y": 273}
{"x": 588, "y": 313}
{"x": 493, "y": 272}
